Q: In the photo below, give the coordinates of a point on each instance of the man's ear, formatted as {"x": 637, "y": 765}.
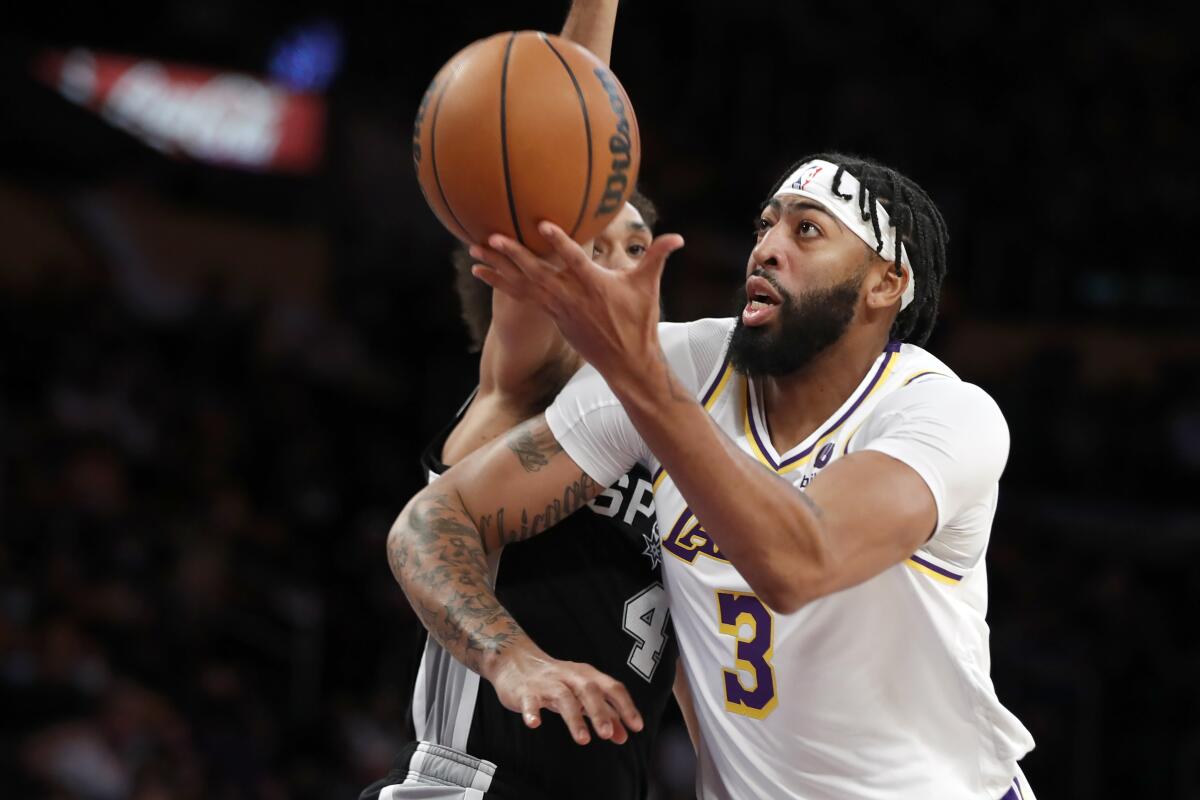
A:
{"x": 884, "y": 286}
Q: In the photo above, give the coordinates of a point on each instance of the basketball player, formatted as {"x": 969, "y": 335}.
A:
{"x": 590, "y": 591}
{"x": 825, "y": 489}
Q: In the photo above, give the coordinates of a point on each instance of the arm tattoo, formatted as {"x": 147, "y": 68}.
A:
{"x": 534, "y": 446}
{"x": 437, "y": 554}
{"x": 575, "y": 495}
{"x": 437, "y": 558}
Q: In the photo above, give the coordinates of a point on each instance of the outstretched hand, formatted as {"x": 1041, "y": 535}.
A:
{"x": 529, "y": 682}
{"x": 610, "y": 317}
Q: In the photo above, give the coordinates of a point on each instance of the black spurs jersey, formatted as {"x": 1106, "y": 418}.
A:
{"x": 589, "y": 590}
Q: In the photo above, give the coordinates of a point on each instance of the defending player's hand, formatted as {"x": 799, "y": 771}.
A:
{"x": 610, "y": 317}
{"x": 528, "y": 683}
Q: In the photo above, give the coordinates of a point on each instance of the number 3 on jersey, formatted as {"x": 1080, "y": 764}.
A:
{"x": 645, "y": 619}
{"x": 752, "y": 654}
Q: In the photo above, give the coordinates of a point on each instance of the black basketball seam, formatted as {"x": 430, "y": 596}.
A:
{"x": 587, "y": 128}
{"x": 437, "y": 178}
{"x": 512, "y": 202}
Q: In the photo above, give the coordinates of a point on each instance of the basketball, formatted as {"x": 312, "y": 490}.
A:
{"x": 522, "y": 127}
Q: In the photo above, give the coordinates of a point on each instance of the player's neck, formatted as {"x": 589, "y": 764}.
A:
{"x": 799, "y": 403}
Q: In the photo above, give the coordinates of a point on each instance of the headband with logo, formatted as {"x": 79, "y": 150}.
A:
{"x": 814, "y": 180}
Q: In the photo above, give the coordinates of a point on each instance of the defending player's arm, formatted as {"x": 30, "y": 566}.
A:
{"x": 864, "y": 513}
{"x": 525, "y": 359}
{"x": 591, "y": 23}
{"x": 507, "y": 491}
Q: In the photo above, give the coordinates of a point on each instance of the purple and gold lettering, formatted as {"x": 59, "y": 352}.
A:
{"x": 746, "y": 619}
{"x": 688, "y": 539}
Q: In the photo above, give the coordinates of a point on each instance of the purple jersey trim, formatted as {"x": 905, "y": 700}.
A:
{"x": 939, "y": 570}
{"x": 716, "y": 382}
{"x": 890, "y": 350}
{"x": 922, "y": 375}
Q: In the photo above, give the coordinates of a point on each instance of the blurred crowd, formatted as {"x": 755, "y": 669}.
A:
{"x": 194, "y": 602}
{"x": 200, "y": 463}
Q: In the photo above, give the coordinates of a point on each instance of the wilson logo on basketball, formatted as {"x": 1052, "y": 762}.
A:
{"x": 620, "y": 145}
{"x": 517, "y": 129}
{"x": 421, "y": 110}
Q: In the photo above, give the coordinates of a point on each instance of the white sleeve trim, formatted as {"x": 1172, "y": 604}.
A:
{"x": 592, "y": 440}
{"x": 591, "y": 426}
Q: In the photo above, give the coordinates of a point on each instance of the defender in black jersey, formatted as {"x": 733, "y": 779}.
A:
{"x": 590, "y": 590}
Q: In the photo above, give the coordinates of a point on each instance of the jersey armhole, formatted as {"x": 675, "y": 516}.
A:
{"x": 431, "y": 456}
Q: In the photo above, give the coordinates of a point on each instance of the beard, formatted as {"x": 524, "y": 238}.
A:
{"x": 808, "y": 324}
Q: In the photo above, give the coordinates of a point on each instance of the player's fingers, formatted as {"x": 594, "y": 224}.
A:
{"x": 603, "y": 716}
{"x": 564, "y": 701}
{"x": 618, "y": 697}
{"x": 567, "y": 249}
{"x": 493, "y": 278}
{"x": 534, "y": 268}
{"x": 531, "y": 707}
{"x": 654, "y": 261}
{"x": 498, "y": 262}
{"x": 620, "y": 735}
{"x": 492, "y": 257}
{"x": 514, "y": 284}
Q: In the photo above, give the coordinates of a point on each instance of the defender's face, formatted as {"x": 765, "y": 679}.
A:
{"x": 799, "y": 248}
{"x": 623, "y": 243}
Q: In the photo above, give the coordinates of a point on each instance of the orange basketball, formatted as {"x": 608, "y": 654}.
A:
{"x": 521, "y": 127}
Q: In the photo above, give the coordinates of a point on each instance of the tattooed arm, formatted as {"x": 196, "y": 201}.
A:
{"x": 507, "y": 491}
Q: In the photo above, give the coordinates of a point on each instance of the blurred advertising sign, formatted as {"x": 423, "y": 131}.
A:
{"x": 225, "y": 118}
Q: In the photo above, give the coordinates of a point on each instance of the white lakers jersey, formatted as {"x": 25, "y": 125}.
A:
{"x": 881, "y": 690}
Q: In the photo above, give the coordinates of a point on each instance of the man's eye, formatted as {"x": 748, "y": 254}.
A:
{"x": 761, "y": 226}
{"x": 808, "y": 229}
{"x": 637, "y": 250}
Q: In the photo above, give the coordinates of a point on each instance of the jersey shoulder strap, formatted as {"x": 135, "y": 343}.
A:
{"x": 431, "y": 456}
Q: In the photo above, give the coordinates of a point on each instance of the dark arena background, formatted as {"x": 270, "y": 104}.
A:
{"x": 228, "y": 328}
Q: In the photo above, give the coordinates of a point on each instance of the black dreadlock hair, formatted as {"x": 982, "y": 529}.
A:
{"x": 916, "y": 219}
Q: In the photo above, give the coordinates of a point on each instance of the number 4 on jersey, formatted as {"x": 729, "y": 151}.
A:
{"x": 646, "y": 616}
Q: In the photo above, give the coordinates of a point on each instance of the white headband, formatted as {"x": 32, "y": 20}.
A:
{"x": 814, "y": 180}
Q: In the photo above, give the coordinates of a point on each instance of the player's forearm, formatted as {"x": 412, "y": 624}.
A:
{"x": 437, "y": 556}
{"x": 507, "y": 491}
{"x": 767, "y": 528}
{"x": 591, "y": 23}
{"x": 525, "y": 358}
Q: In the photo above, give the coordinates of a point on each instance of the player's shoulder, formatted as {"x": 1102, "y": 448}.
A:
{"x": 696, "y": 348}
{"x": 926, "y": 388}
{"x": 709, "y": 327}
{"x": 917, "y": 365}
